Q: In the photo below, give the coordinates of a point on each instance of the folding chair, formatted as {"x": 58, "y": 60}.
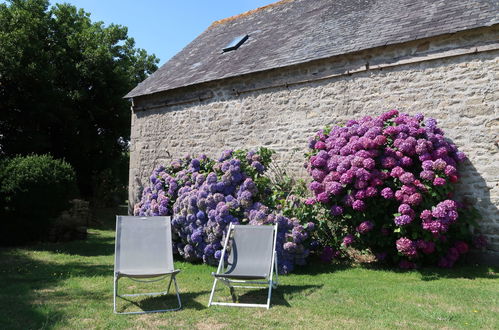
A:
{"x": 251, "y": 263}
{"x": 143, "y": 250}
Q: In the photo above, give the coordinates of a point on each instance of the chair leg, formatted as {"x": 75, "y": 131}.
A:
{"x": 177, "y": 290}
{"x": 169, "y": 284}
{"x": 276, "y": 272}
{"x": 115, "y": 291}
{"x": 232, "y": 293}
{"x": 172, "y": 277}
{"x": 270, "y": 294}
{"x": 212, "y": 292}
{"x": 231, "y": 288}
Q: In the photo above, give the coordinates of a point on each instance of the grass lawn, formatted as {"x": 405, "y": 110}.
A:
{"x": 69, "y": 285}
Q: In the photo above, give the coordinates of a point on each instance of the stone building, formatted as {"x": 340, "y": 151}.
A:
{"x": 306, "y": 64}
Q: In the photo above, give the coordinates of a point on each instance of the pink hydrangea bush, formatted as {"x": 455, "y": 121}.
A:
{"x": 204, "y": 196}
{"x": 386, "y": 183}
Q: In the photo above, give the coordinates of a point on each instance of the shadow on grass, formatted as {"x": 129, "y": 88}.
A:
{"x": 259, "y": 296}
{"x": 468, "y": 272}
{"x": 315, "y": 267}
{"x": 168, "y": 301}
{"x": 28, "y": 283}
{"x": 95, "y": 245}
{"x": 461, "y": 270}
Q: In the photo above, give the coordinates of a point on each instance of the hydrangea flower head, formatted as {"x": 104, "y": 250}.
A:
{"x": 406, "y": 247}
{"x": 365, "y": 227}
{"x": 348, "y": 240}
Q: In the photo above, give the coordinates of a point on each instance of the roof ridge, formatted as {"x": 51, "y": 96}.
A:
{"x": 249, "y": 12}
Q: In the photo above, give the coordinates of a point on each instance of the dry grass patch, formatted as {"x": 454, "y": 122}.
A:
{"x": 211, "y": 324}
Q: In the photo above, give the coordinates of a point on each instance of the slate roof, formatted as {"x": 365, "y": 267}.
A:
{"x": 296, "y": 31}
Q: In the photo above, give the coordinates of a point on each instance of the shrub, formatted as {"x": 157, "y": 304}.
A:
{"x": 204, "y": 196}
{"x": 34, "y": 190}
{"x": 384, "y": 185}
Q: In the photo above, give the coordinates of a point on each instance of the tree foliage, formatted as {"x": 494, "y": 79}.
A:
{"x": 62, "y": 82}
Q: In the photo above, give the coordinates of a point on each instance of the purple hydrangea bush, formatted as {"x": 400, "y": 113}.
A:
{"x": 158, "y": 198}
{"x": 386, "y": 183}
{"x": 204, "y": 196}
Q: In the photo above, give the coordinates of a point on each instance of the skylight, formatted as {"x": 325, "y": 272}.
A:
{"x": 236, "y": 43}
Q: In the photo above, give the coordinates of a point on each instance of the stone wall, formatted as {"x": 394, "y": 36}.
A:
{"x": 453, "y": 78}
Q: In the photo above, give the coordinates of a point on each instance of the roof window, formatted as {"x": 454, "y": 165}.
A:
{"x": 236, "y": 43}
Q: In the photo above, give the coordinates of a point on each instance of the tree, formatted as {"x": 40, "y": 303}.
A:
{"x": 62, "y": 82}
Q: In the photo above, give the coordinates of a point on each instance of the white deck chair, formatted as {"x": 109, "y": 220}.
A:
{"x": 143, "y": 250}
{"x": 252, "y": 261}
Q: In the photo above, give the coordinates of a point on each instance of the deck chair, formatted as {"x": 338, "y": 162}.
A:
{"x": 143, "y": 253}
{"x": 252, "y": 261}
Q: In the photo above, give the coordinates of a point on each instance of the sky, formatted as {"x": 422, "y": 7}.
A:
{"x": 164, "y": 27}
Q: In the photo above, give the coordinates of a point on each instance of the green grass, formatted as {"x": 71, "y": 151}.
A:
{"x": 69, "y": 285}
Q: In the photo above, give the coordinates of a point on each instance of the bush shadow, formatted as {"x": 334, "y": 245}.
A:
{"x": 473, "y": 190}
{"x": 315, "y": 267}
{"x": 461, "y": 270}
{"x": 468, "y": 272}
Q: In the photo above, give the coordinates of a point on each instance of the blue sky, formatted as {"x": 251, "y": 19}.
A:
{"x": 164, "y": 27}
